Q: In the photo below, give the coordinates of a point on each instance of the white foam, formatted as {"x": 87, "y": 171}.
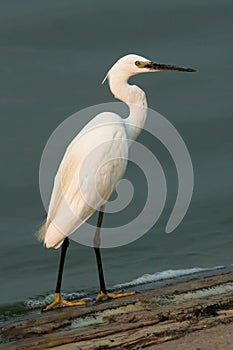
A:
{"x": 164, "y": 275}
{"x": 197, "y": 294}
{"x": 203, "y": 293}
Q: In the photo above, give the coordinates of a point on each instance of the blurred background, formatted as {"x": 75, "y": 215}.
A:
{"x": 54, "y": 55}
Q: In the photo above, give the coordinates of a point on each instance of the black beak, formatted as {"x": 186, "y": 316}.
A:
{"x": 158, "y": 67}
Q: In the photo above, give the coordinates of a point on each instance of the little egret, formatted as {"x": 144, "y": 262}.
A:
{"x": 74, "y": 200}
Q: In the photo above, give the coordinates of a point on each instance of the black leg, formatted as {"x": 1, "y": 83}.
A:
{"x": 97, "y": 251}
{"x": 64, "y": 247}
{"x": 103, "y": 292}
{"x": 57, "y": 296}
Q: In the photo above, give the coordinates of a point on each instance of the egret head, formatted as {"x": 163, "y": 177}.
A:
{"x": 132, "y": 64}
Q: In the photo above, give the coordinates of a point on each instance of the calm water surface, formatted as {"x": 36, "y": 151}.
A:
{"x": 53, "y": 58}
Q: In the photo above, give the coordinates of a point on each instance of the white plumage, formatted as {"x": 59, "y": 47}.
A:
{"x": 92, "y": 165}
{"x": 97, "y": 157}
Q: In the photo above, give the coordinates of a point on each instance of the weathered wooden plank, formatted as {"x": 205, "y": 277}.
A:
{"x": 138, "y": 321}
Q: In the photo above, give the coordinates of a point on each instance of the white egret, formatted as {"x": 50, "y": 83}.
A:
{"x": 75, "y": 198}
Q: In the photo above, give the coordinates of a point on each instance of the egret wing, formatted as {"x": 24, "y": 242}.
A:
{"x": 92, "y": 165}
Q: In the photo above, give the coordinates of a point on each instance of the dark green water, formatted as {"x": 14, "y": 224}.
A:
{"x": 53, "y": 58}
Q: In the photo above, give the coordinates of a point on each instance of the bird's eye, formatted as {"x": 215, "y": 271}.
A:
{"x": 138, "y": 63}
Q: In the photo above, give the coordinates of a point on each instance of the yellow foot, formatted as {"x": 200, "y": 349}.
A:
{"x": 101, "y": 295}
{"x": 59, "y": 301}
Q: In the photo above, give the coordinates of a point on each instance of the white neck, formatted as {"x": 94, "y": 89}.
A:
{"x": 135, "y": 98}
